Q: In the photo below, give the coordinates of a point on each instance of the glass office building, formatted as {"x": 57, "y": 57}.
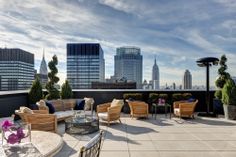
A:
{"x": 16, "y": 69}
{"x": 85, "y": 64}
{"x": 129, "y": 64}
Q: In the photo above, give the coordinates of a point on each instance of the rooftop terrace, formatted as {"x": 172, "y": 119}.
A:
{"x": 201, "y": 137}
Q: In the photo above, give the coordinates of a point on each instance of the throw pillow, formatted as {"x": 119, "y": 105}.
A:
{"x": 117, "y": 102}
{"x": 191, "y": 100}
{"x": 51, "y": 108}
{"x": 24, "y": 109}
{"x": 88, "y": 103}
{"x": 79, "y": 104}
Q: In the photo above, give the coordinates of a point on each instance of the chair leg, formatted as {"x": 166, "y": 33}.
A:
{"x": 119, "y": 120}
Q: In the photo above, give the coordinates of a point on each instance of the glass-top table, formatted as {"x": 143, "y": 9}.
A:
{"x": 165, "y": 105}
{"x": 81, "y": 125}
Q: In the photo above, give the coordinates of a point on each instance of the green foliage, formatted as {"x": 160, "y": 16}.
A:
{"x": 163, "y": 96}
{"x": 153, "y": 97}
{"x": 186, "y": 96}
{"x": 53, "y": 93}
{"x": 36, "y": 92}
{"x": 66, "y": 91}
{"x": 177, "y": 97}
{"x": 218, "y": 94}
{"x": 223, "y": 74}
{"x": 229, "y": 93}
{"x": 135, "y": 96}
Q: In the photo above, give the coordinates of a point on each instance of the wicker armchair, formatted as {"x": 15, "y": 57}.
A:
{"x": 109, "y": 112}
{"x": 184, "y": 108}
{"x": 138, "y": 109}
{"x": 92, "y": 148}
{"x": 39, "y": 120}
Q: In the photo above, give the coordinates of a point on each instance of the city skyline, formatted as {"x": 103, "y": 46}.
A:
{"x": 173, "y": 31}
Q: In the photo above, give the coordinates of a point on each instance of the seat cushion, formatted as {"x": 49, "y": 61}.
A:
{"x": 117, "y": 102}
{"x": 176, "y": 111}
{"x": 103, "y": 115}
{"x": 63, "y": 114}
{"x": 27, "y": 110}
{"x": 79, "y": 104}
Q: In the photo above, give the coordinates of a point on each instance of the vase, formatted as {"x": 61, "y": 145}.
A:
{"x": 16, "y": 135}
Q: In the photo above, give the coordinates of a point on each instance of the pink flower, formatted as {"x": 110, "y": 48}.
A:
{"x": 6, "y": 125}
{"x": 20, "y": 134}
{"x": 12, "y": 139}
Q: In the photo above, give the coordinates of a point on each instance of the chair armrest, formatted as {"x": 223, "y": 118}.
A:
{"x": 44, "y": 122}
{"x": 103, "y": 107}
{"x": 41, "y": 111}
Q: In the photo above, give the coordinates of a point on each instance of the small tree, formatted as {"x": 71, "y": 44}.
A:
{"x": 66, "y": 91}
{"x": 223, "y": 75}
{"x": 36, "y": 92}
{"x": 53, "y": 93}
{"x": 229, "y": 93}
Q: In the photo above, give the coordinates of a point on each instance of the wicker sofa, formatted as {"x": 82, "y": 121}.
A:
{"x": 64, "y": 107}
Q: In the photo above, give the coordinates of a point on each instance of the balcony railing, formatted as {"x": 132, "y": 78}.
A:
{"x": 12, "y": 100}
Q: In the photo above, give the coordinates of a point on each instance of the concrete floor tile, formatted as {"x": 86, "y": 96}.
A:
{"x": 114, "y": 154}
{"x": 114, "y": 145}
{"x": 140, "y": 145}
{"x": 144, "y": 154}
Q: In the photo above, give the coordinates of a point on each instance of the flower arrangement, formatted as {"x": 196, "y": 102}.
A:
{"x": 161, "y": 101}
{"x": 13, "y": 133}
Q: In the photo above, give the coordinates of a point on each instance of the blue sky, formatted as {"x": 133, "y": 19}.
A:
{"x": 177, "y": 32}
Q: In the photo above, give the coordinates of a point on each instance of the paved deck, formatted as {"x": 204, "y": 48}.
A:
{"x": 201, "y": 137}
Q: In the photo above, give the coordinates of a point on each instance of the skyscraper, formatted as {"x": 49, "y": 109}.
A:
{"x": 16, "y": 69}
{"x": 129, "y": 64}
{"x": 155, "y": 76}
{"x": 43, "y": 71}
{"x": 187, "y": 80}
{"x": 85, "y": 64}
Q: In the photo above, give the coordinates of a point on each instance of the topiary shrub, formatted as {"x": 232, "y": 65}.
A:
{"x": 163, "y": 96}
{"x": 177, "y": 97}
{"x": 53, "y": 93}
{"x": 229, "y": 93}
{"x": 36, "y": 92}
{"x": 153, "y": 97}
{"x": 134, "y": 96}
{"x": 66, "y": 91}
{"x": 218, "y": 94}
{"x": 186, "y": 96}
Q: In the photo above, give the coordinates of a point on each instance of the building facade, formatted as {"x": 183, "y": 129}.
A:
{"x": 187, "y": 80}
{"x": 16, "y": 69}
{"x": 129, "y": 64}
{"x": 155, "y": 76}
{"x": 85, "y": 64}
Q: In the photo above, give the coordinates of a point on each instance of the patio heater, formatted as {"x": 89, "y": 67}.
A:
{"x": 207, "y": 62}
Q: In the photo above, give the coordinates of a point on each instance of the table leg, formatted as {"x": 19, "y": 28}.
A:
{"x": 166, "y": 111}
{"x": 156, "y": 112}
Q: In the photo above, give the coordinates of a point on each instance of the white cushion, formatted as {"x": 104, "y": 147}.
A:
{"x": 88, "y": 103}
{"x": 63, "y": 114}
{"x": 176, "y": 111}
{"x": 103, "y": 115}
{"x": 117, "y": 102}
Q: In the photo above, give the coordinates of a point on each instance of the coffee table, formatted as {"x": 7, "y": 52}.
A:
{"x": 47, "y": 144}
{"x": 81, "y": 125}
{"x": 156, "y": 105}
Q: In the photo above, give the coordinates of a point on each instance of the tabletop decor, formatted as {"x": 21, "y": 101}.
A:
{"x": 161, "y": 101}
{"x": 14, "y": 134}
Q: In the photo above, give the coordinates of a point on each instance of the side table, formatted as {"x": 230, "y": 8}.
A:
{"x": 156, "y": 105}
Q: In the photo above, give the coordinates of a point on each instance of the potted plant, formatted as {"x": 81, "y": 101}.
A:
{"x": 66, "y": 91}
{"x": 220, "y": 82}
{"x": 229, "y": 99}
{"x": 35, "y": 93}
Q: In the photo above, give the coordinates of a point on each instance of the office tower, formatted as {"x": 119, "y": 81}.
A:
{"x": 43, "y": 71}
{"x": 85, "y": 64}
{"x": 187, "y": 80}
{"x": 129, "y": 64}
{"x": 155, "y": 76}
{"x": 16, "y": 69}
